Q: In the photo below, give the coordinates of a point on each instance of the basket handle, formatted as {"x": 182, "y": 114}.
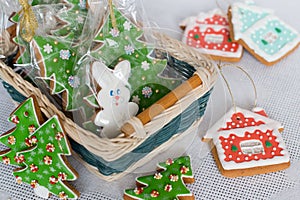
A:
{"x": 164, "y": 103}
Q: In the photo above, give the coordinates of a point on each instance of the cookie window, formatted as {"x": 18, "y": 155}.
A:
{"x": 252, "y": 147}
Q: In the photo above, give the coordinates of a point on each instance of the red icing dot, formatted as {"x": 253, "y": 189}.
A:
{"x": 53, "y": 180}
{"x": 47, "y": 160}
{"x": 34, "y": 168}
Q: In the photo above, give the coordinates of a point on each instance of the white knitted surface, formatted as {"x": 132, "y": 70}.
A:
{"x": 278, "y": 93}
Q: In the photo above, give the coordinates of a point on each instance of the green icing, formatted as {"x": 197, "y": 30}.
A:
{"x": 171, "y": 177}
{"x": 268, "y": 144}
{"x": 234, "y": 148}
{"x": 24, "y": 117}
{"x": 51, "y": 144}
{"x": 112, "y": 45}
{"x": 57, "y": 63}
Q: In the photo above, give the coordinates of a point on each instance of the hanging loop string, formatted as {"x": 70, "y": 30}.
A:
{"x": 228, "y": 86}
{"x": 112, "y": 15}
{"x": 228, "y": 2}
{"x": 28, "y": 22}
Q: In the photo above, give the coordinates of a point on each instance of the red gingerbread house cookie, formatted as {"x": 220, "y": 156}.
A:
{"x": 247, "y": 143}
{"x": 209, "y": 33}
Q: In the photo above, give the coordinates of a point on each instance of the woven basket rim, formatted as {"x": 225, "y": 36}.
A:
{"x": 174, "y": 47}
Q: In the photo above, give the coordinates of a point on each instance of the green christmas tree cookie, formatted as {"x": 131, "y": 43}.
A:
{"x": 27, "y": 118}
{"x": 124, "y": 42}
{"x": 46, "y": 169}
{"x": 57, "y": 60}
{"x": 167, "y": 184}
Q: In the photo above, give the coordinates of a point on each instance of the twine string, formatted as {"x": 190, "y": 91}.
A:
{"x": 221, "y": 66}
{"x": 220, "y": 7}
{"x": 112, "y": 15}
{"x": 28, "y": 22}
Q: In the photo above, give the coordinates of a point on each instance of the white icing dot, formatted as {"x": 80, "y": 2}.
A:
{"x": 270, "y": 138}
{"x": 216, "y": 22}
{"x": 226, "y": 46}
{"x": 232, "y": 49}
{"x": 274, "y": 149}
{"x": 268, "y": 134}
{"x": 273, "y": 153}
{"x": 206, "y": 46}
{"x": 246, "y": 158}
{"x": 226, "y": 147}
{"x": 224, "y": 23}
{"x": 191, "y": 35}
{"x": 198, "y": 41}
{"x": 253, "y": 123}
{"x": 257, "y": 132}
{"x": 233, "y": 137}
{"x": 221, "y": 19}
{"x": 250, "y": 154}
{"x": 195, "y": 30}
{"x": 249, "y": 136}
{"x": 223, "y": 49}
{"x": 233, "y": 45}
{"x": 225, "y": 141}
{"x": 247, "y": 120}
{"x": 238, "y": 159}
{"x": 255, "y": 157}
{"x": 245, "y": 124}
{"x": 219, "y": 45}
{"x": 231, "y": 142}
{"x": 211, "y": 19}
{"x": 197, "y": 46}
{"x": 215, "y": 47}
{"x": 263, "y": 153}
{"x": 238, "y": 126}
{"x": 203, "y": 34}
{"x": 229, "y": 126}
{"x": 230, "y": 156}
{"x": 209, "y": 30}
{"x": 261, "y": 137}
{"x": 223, "y": 31}
{"x": 240, "y": 153}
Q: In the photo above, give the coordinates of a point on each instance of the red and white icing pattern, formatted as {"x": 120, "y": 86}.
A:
{"x": 238, "y": 120}
{"x": 209, "y": 33}
{"x": 20, "y": 158}
{"x": 34, "y": 168}
{"x": 251, "y": 147}
{"x": 62, "y": 176}
{"x": 270, "y": 147}
{"x": 241, "y": 118}
{"x": 53, "y": 180}
{"x": 34, "y": 183}
{"x": 50, "y": 148}
{"x": 48, "y": 160}
{"x": 6, "y": 160}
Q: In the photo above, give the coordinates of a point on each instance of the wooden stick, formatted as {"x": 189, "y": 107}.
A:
{"x": 166, "y": 102}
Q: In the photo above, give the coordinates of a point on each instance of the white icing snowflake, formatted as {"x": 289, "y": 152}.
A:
{"x": 145, "y": 65}
{"x": 58, "y": 187}
{"x": 40, "y": 151}
{"x": 136, "y": 99}
{"x": 48, "y": 48}
{"x": 33, "y": 153}
{"x": 80, "y": 19}
{"x": 46, "y": 172}
{"x": 114, "y": 32}
{"x": 127, "y": 26}
{"x": 27, "y": 179}
{"x": 41, "y": 163}
{"x": 51, "y": 139}
{"x": 42, "y": 140}
{"x": 58, "y": 165}
{"x": 39, "y": 176}
{"x": 129, "y": 49}
{"x": 29, "y": 159}
{"x": 50, "y": 187}
{"x": 52, "y": 169}
{"x": 65, "y": 54}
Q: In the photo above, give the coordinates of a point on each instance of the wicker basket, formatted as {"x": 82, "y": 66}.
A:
{"x": 113, "y": 158}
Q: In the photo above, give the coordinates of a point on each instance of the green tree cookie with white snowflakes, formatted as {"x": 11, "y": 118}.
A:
{"x": 124, "y": 42}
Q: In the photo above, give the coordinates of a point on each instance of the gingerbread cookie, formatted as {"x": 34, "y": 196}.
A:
{"x": 167, "y": 183}
{"x": 264, "y": 35}
{"x": 46, "y": 170}
{"x": 248, "y": 144}
{"x": 209, "y": 34}
{"x": 27, "y": 118}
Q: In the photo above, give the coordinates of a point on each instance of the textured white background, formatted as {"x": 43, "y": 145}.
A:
{"x": 278, "y": 93}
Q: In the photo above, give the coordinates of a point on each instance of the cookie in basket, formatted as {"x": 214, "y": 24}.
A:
{"x": 264, "y": 35}
{"x": 167, "y": 183}
{"x": 209, "y": 34}
{"x": 248, "y": 144}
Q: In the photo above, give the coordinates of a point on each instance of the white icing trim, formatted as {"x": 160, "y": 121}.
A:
{"x": 246, "y": 36}
{"x": 221, "y": 123}
{"x": 191, "y": 23}
{"x": 254, "y": 163}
